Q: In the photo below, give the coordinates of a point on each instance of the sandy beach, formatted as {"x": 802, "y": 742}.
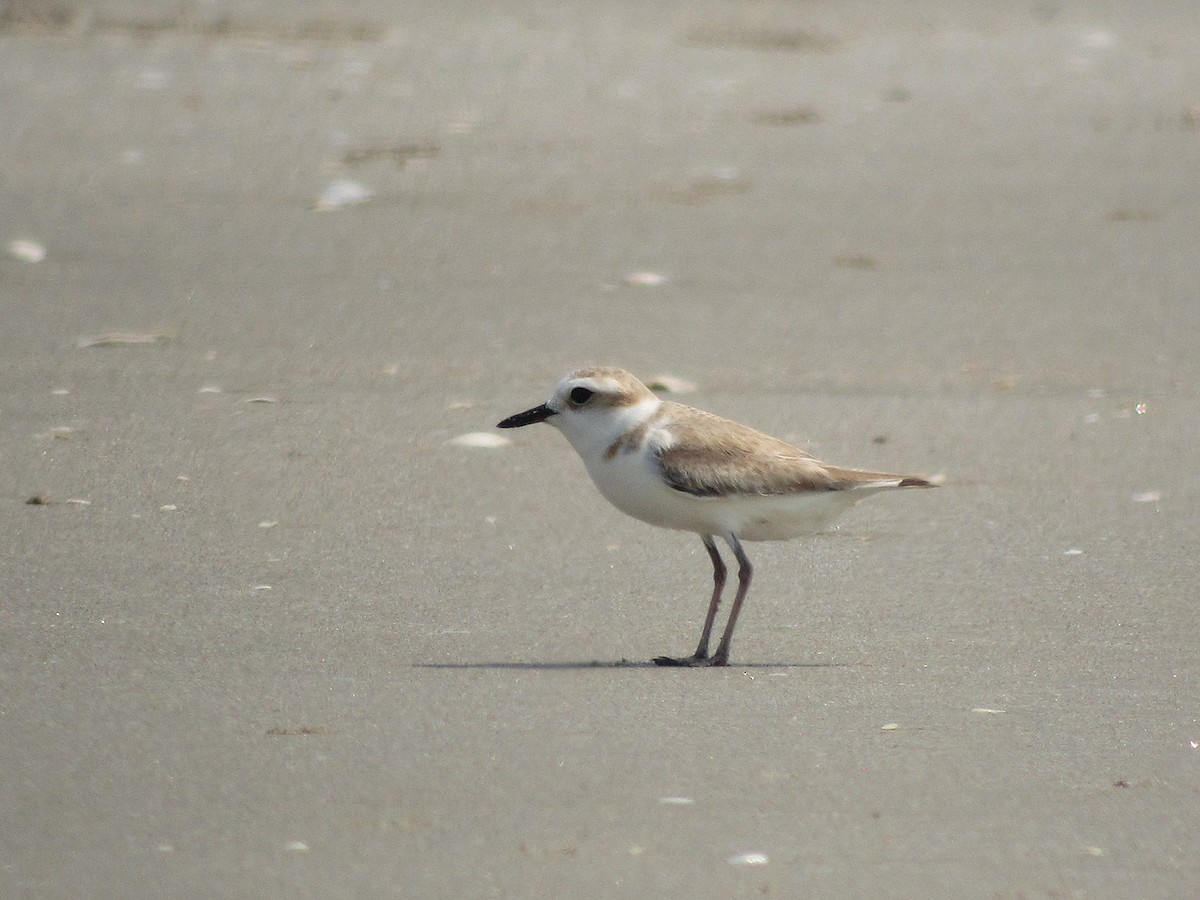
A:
{"x": 267, "y": 630}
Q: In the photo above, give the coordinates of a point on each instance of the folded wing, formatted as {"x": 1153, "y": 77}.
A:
{"x": 707, "y": 456}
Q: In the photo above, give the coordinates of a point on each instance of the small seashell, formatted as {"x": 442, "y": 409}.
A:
{"x": 748, "y": 859}
{"x": 669, "y": 384}
{"x": 129, "y": 339}
{"x": 26, "y": 250}
{"x": 645, "y": 279}
{"x": 340, "y": 193}
{"x": 480, "y": 439}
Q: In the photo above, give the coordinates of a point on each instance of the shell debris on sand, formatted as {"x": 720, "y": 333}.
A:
{"x": 752, "y": 858}
{"x": 128, "y": 338}
{"x": 341, "y": 193}
{"x": 26, "y": 250}
{"x": 480, "y": 439}
{"x": 645, "y": 279}
{"x": 670, "y": 384}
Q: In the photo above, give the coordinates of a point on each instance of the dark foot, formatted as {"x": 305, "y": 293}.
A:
{"x": 690, "y": 662}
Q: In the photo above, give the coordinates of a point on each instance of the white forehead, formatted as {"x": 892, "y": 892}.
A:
{"x": 601, "y": 384}
{"x": 613, "y": 389}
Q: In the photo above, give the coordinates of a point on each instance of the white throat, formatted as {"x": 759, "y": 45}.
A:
{"x": 592, "y": 433}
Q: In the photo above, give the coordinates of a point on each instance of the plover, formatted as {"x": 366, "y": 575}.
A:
{"x": 677, "y": 467}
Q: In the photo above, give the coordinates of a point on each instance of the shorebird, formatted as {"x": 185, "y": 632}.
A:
{"x": 677, "y": 467}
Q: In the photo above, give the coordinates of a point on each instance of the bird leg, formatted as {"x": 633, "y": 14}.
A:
{"x": 718, "y": 587}
{"x": 700, "y": 657}
{"x": 721, "y": 657}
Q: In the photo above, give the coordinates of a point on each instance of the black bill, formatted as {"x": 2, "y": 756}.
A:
{"x": 529, "y": 417}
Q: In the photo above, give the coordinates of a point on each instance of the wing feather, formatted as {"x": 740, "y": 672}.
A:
{"x": 705, "y": 455}
{"x": 708, "y": 456}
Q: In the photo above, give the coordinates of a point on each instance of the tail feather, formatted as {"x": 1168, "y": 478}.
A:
{"x": 851, "y": 479}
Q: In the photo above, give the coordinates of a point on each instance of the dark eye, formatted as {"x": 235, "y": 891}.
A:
{"x": 580, "y": 395}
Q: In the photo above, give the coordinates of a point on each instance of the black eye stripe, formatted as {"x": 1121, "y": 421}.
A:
{"x": 580, "y": 395}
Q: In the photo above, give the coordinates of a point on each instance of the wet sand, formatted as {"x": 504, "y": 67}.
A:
{"x": 266, "y": 632}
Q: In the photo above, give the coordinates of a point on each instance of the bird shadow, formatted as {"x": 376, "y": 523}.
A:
{"x": 572, "y": 665}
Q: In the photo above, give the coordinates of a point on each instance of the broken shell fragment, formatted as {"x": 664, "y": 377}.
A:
{"x": 480, "y": 439}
